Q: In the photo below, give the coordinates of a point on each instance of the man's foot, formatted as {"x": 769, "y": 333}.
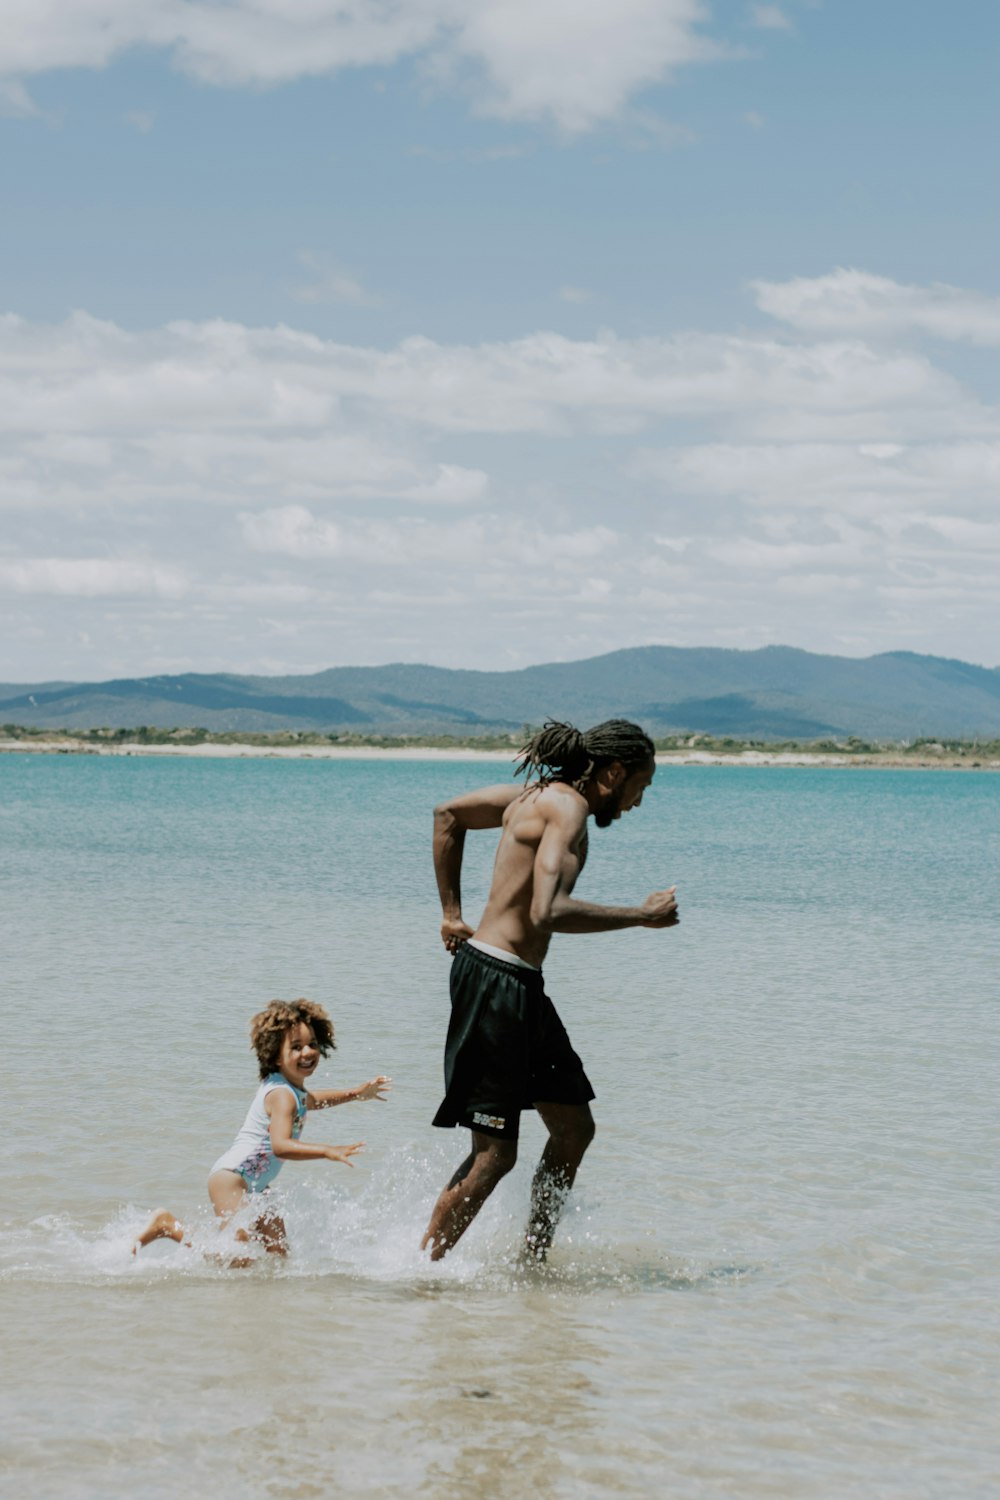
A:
{"x": 437, "y": 1247}
{"x": 491, "y": 1158}
{"x": 162, "y": 1226}
{"x": 534, "y": 1251}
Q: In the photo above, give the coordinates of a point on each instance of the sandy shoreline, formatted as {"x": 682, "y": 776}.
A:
{"x": 692, "y": 757}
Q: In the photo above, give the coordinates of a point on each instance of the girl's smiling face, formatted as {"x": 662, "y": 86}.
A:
{"x": 299, "y": 1057}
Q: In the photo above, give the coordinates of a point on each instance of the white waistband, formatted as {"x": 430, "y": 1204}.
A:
{"x": 508, "y": 958}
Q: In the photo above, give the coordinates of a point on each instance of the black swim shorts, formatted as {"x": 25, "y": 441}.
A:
{"x": 506, "y": 1049}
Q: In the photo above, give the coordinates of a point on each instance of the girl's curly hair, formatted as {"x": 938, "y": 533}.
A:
{"x": 270, "y": 1026}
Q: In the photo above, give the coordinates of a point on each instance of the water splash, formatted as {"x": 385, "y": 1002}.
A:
{"x": 367, "y": 1232}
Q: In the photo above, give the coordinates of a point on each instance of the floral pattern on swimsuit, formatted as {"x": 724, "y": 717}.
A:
{"x": 251, "y": 1154}
{"x": 258, "y": 1165}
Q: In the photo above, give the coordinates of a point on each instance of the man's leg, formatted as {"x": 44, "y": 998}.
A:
{"x": 571, "y": 1130}
{"x": 489, "y": 1160}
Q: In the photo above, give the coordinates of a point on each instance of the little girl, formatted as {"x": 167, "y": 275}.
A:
{"x": 289, "y": 1038}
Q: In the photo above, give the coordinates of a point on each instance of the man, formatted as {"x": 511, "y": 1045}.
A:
{"x": 507, "y": 1050}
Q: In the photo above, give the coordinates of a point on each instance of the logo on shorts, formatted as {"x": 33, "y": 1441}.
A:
{"x": 493, "y": 1122}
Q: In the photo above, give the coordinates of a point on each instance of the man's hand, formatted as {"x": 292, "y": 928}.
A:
{"x": 454, "y": 932}
{"x": 661, "y": 909}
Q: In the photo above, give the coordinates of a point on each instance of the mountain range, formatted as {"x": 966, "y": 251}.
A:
{"x": 774, "y": 693}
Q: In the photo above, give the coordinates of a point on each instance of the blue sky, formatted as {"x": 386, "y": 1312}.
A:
{"x": 346, "y": 332}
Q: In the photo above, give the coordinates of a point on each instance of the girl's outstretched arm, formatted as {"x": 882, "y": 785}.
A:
{"x": 281, "y": 1112}
{"x": 375, "y": 1088}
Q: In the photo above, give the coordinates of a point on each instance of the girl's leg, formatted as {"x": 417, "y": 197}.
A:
{"x": 162, "y": 1226}
{"x": 226, "y": 1190}
{"x": 228, "y": 1193}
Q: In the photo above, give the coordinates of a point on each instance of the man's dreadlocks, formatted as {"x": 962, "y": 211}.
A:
{"x": 559, "y": 752}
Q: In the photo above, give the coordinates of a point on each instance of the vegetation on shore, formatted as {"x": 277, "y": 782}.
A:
{"x": 968, "y": 752}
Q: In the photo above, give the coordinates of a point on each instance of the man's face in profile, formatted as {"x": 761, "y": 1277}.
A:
{"x": 626, "y": 795}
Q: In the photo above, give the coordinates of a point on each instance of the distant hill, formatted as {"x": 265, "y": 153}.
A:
{"x": 774, "y": 693}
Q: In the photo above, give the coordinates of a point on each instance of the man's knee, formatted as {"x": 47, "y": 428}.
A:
{"x": 497, "y": 1158}
{"x": 502, "y": 1155}
{"x": 573, "y": 1131}
{"x": 585, "y": 1132}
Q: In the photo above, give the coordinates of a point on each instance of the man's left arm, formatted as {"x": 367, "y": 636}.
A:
{"x": 558, "y": 861}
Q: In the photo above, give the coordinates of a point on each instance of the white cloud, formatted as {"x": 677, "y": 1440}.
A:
{"x": 720, "y": 488}
{"x": 574, "y": 294}
{"x": 475, "y": 154}
{"x": 595, "y": 590}
{"x": 311, "y": 465}
{"x": 141, "y": 120}
{"x": 450, "y": 485}
{"x": 976, "y": 535}
{"x": 90, "y": 577}
{"x": 483, "y": 541}
{"x": 575, "y": 62}
{"x": 845, "y": 476}
{"x": 15, "y": 101}
{"x": 644, "y": 130}
{"x": 293, "y": 531}
{"x": 578, "y": 61}
{"x": 242, "y": 42}
{"x": 331, "y": 283}
{"x": 769, "y": 18}
{"x": 850, "y": 301}
{"x": 241, "y": 384}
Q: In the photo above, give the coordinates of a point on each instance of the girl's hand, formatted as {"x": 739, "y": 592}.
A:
{"x": 344, "y": 1153}
{"x": 375, "y": 1088}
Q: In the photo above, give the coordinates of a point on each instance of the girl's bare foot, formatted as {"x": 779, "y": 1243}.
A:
{"x": 162, "y": 1226}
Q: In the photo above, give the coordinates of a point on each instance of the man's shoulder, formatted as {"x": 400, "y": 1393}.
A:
{"x": 560, "y": 802}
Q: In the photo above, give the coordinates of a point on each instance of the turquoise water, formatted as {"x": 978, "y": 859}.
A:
{"x": 777, "y": 1275}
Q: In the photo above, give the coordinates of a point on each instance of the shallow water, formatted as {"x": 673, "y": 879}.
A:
{"x": 777, "y": 1276}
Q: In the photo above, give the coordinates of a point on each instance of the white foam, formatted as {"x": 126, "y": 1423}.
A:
{"x": 369, "y": 1230}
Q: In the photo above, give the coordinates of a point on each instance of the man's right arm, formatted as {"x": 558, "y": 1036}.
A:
{"x": 483, "y": 808}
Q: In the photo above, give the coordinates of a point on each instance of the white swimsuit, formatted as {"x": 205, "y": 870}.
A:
{"x": 251, "y": 1154}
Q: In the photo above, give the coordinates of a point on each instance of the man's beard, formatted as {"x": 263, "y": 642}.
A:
{"x": 608, "y": 810}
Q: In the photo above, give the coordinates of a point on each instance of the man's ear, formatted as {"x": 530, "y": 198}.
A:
{"x": 616, "y": 773}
